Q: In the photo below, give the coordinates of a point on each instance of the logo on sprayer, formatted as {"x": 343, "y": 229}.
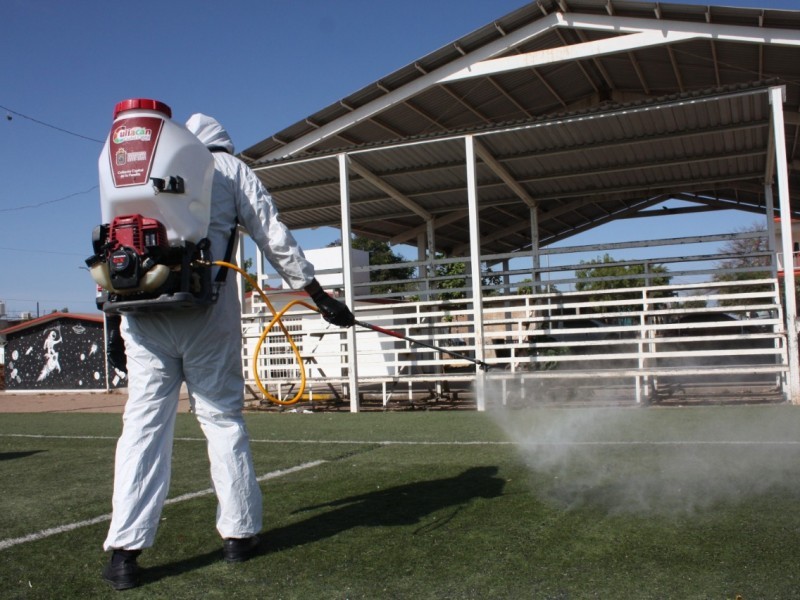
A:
{"x": 131, "y": 134}
{"x": 132, "y": 147}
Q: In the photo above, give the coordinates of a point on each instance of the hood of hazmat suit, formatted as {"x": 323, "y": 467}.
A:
{"x": 209, "y": 131}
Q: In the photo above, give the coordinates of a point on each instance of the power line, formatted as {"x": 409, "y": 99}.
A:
{"x": 62, "y": 130}
{"x": 46, "y": 202}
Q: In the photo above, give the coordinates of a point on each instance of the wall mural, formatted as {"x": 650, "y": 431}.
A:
{"x": 64, "y": 354}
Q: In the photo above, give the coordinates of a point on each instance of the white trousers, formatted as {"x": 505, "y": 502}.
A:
{"x": 202, "y": 348}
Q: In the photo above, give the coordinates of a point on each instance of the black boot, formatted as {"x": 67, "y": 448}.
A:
{"x": 239, "y": 549}
{"x": 122, "y": 572}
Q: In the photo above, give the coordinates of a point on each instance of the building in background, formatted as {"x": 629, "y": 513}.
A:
{"x": 60, "y": 351}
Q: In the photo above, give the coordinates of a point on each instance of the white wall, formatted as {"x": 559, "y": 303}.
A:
{"x": 321, "y": 342}
{"x": 325, "y": 259}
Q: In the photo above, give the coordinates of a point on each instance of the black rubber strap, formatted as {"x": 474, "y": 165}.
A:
{"x": 223, "y": 272}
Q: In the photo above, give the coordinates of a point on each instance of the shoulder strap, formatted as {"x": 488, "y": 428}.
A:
{"x": 223, "y": 272}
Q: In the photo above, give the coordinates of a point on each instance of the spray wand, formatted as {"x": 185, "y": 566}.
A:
{"x": 401, "y": 336}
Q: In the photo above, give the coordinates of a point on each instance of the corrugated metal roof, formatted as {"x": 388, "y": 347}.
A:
{"x": 587, "y": 139}
{"x": 21, "y": 326}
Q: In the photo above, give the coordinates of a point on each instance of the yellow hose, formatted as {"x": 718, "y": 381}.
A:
{"x": 275, "y": 319}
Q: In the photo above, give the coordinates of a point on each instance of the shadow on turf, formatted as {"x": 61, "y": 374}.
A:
{"x": 15, "y": 455}
{"x": 395, "y": 506}
{"x": 399, "y": 505}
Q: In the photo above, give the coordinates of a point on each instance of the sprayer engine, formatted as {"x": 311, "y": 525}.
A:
{"x": 138, "y": 270}
{"x": 135, "y": 245}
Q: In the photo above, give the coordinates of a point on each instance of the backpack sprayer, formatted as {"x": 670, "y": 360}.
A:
{"x": 150, "y": 252}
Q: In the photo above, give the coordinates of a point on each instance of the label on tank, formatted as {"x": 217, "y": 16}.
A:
{"x": 131, "y": 148}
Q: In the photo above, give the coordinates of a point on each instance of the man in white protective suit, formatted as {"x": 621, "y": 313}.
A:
{"x": 201, "y": 347}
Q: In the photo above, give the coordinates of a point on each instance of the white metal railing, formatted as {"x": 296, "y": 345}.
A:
{"x": 795, "y": 261}
{"x": 681, "y": 319}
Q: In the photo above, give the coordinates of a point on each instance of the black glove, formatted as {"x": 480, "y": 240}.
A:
{"x": 331, "y": 309}
{"x": 115, "y": 345}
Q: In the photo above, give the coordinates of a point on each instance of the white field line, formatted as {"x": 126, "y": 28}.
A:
{"x": 45, "y": 533}
{"x": 526, "y": 442}
{"x": 534, "y": 442}
{"x": 8, "y": 543}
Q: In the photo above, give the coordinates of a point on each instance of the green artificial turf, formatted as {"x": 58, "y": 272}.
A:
{"x": 543, "y": 503}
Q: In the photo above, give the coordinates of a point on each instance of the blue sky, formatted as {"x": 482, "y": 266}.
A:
{"x": 257, "y": 66}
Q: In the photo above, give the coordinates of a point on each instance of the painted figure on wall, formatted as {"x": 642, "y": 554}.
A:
{"x": 50, "y": 354}
{"x": 61, "y": 354}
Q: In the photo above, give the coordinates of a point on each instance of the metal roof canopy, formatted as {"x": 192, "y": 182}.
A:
{"x": 587, "y": 110}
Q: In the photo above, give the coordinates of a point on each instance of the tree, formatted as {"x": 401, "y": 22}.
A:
{"x": 247, "y": 268}
{"x": 455, "y": 270}
{"x": 380, "y": 253}
{"x": 459, "y": 269}
{"x": 525, "y": 287}
{"x": 607, "y": 274}
{"x": 743, "y": 250}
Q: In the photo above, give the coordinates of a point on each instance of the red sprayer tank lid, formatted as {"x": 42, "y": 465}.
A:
{"x": 142, "y": 104}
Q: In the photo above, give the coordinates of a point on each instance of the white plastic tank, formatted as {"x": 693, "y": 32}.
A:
{"x": 144, "y": 146}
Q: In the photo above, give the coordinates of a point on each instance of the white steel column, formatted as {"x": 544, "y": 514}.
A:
{"x": 770, "y": 206}
{"x": 260, "y": 266}
{"x": 776, "y": 96}
{"x": 475, "y": 265}
{"x": 430, "y": 267}
{"x": 422, "y": 271}
{"x": 536, "y": 275}
{"x": 347, "y": 274}
{"x": 769, "y": 202}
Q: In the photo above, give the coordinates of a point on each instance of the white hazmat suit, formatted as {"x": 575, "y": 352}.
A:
{"x": 203, "y": 348}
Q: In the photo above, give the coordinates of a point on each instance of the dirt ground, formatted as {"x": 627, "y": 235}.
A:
{"x": 38, "y": 402}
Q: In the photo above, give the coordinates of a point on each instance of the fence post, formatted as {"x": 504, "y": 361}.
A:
{"x": 475, "y": 262}
{"x": 776, "y": 95}
{"x": 347, "y": 273}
